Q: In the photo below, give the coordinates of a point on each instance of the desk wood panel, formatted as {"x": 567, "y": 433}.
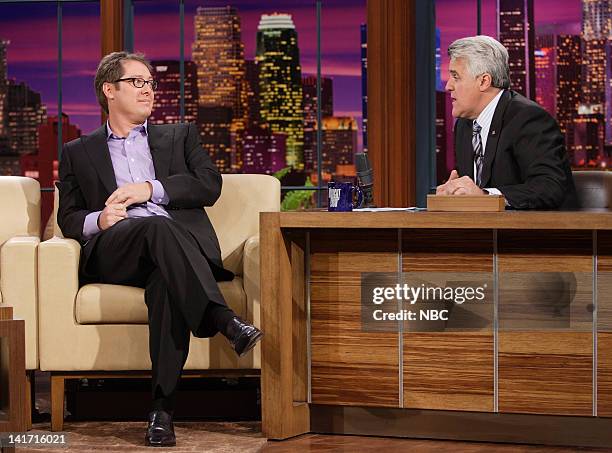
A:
{"x": 348, "y": 366}
{"x": 448, "y": 370}
{"x": 604, "y": 328}
{"x": 545, "y": 372}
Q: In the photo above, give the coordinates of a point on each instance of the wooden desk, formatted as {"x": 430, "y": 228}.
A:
{"x": 322, "y": 373}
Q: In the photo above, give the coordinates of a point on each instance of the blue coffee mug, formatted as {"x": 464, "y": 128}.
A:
{"x": 341, "y": 196}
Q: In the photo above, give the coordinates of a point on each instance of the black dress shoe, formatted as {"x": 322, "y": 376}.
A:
{"x": 242, "y": 336}
{"x": 160, "y": 432}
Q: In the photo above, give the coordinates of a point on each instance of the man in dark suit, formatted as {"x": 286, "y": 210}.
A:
{"x": 504, "y": 143}
{"x": 133, "y": 194}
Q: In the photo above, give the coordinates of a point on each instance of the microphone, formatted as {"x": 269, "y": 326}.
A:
{"x": 365, "y": 175}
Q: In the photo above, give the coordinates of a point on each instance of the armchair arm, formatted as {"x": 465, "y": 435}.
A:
{"x": 58, "y": 284}
{"x": 18, "y": 285}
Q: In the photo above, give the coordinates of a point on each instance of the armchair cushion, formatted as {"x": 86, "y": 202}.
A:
{"x": 115, "y": 304}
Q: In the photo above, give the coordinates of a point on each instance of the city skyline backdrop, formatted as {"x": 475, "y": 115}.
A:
{"x": 552, "y": 61}
{"x": 32, "y": 58}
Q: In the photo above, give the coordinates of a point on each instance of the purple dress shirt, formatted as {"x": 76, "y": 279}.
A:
{"x": 132, "y": 163}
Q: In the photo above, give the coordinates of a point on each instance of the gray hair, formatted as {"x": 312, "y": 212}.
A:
{"x": 110, "y": 70}
{"x": 483, "y": 54}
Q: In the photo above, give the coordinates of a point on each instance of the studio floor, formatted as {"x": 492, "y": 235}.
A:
{"x": 243, "y": 437}
{"x": 246, "y": 437}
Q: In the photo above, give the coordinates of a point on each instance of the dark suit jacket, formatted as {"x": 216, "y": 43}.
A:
{"x": 525, "y": 157}
{"x": 185, "y": 170}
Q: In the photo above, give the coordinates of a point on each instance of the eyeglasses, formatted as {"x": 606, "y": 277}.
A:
{"x": 139, "y": 82}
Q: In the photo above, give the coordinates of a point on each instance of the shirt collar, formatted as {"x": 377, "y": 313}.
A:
{"x": 144, "y": 127}
{"x": 486, "y": 116}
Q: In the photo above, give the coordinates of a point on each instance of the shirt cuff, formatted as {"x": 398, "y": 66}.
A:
{"x": 159, "y": 195}
{"x": 90, "y": 226}
{"x": 493, "y": 191}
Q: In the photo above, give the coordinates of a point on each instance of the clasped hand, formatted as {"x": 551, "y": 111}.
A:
{"x": 459, "y": 186}
{"x": 120, "y": 199}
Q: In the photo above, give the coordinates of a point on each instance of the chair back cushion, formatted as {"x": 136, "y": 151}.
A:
{"x": 235, "y": 215}
{"x": 594, "y": 189}
{"x": 20, "y": 205}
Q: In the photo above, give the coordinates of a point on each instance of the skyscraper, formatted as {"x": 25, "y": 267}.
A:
{"x": 515, "y": 28}
{"x": 3, "y": 89}
{"x": 264, "y": 151}
{"x": 546, "y": 72}
{"x": 596, "y": 19}
{"x": 44, "y": 164}
{"x": 280, "y": 82}
{"x": 569, "y": 84}
{"x": 166, "y": 108}
{"x": 588, "y": 138}
{"x": 24, "y": 112}
{"x": 339, "y": 143}
{"x": 252, "y": 79}
{"x": 364, "y": 85}
{"x": 596, "y": 34}
{"x": 218, "y": 53}
{"x": 215, "y": 132}
{"x": 309, "y": 87}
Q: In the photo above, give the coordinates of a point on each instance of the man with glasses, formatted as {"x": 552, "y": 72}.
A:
{"x": 504, "y": 143}
{"x": 133, "y": 194}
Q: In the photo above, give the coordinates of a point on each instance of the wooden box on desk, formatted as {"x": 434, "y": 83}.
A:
{"x": 465, "y": 203}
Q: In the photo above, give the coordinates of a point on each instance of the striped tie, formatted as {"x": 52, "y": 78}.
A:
{"x": 478, "y": 152}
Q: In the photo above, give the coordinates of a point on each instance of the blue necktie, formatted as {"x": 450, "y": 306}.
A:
{"x": 478, "y": 152}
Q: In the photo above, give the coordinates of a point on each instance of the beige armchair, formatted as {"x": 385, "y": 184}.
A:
{"x": 19, "y": 239}
{"x": 101, "y": 330}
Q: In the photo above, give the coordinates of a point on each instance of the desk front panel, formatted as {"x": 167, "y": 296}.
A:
{"x": 448, "y": 370}
{"x": 539, "y": 371}
{"x": 349, "y": 366}
{"x": 542, "y": 369}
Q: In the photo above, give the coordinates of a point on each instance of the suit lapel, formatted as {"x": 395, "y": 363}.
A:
{"x": 96, "y": 147}
{"x": 465, "y": 157}
{"x": 160, "y": 144}
{"x": 493, "y": 137}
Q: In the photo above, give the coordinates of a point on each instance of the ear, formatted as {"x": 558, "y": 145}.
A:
{"x": 109, "y": 90}
{"x": 485, "y": 81}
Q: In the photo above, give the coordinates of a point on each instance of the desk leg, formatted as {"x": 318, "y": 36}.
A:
{"x": 282, "y": 417}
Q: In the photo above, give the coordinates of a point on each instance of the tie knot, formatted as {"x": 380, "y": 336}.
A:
{"x": 476, "y": 128}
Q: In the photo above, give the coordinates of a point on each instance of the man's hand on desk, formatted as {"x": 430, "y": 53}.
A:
{"x": 130, "y": 194}
{"x": 111, "y": 214}
{"x": 459, "y": 186}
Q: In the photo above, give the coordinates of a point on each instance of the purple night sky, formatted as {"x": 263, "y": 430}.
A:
{"x": 32, "y": 54}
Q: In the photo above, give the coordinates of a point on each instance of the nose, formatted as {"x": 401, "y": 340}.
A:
{"x": 448, "y": 86}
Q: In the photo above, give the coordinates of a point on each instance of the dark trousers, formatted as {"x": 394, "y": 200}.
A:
{"x": 161, "y": 256}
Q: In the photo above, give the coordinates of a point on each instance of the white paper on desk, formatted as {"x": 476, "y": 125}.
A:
{"x": 412, "y": 208}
